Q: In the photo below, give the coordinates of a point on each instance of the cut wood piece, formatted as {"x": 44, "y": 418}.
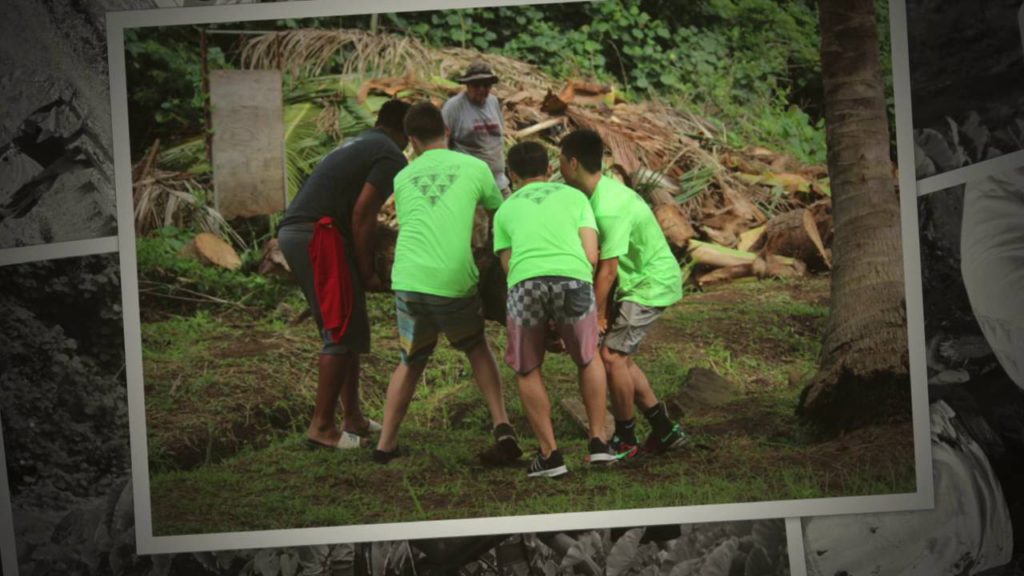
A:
{"x": 553, "y": 105}
{"x": 775, "y": 266}
{"x": 726, "y": 274}
{"x": 718, "y": 256}
{"x": 788, "y": 235}
{"x": 575, "y": 408}
{"x": 720, "y": 237}
{"x": 274, "y": 263}
{"x": 811, "y": 227}
{"x": 211, "y": 249}
{"x": 672, "y": 219}
{"x": 539, "y": 127}
{"x": 751, "y": 238}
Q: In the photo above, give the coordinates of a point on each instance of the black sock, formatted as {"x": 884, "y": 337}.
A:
{"x": 657, "y": 416}
{"x": 626, "y": 430}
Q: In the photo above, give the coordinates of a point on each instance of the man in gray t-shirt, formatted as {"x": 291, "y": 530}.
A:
{"x": 474, "y": 120}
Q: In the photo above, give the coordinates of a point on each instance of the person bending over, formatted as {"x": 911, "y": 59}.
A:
{"x": 348, "y": 187}
{"x": 434, "y": 276}
{"x": 546, "y": 238}
{"x": 633, "y": 250}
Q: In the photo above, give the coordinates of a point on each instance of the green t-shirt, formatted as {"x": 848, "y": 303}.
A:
{"x": 628, "y": 230}
{"x": 540, "y": 223}
{"x": 435, "y": 201}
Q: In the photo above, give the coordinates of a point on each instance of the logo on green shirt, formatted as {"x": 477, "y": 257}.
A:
{"x": 537, "y": 194}
{"x": 434, "y": 185}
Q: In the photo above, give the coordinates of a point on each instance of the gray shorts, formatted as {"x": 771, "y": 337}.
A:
{"x": 294, "y": 243}
{"x": 629, "y": 327}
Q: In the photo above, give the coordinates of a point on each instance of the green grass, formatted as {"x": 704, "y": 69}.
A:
{"x": 228, "y": 398}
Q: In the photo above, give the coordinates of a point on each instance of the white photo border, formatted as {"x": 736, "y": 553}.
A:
{"x": 147, "y": 543}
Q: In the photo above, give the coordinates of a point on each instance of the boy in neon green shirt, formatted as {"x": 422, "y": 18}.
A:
{"x": 546, "y": 238}
{"x": 633, "y": 250}
{"x": 434, "y": 276}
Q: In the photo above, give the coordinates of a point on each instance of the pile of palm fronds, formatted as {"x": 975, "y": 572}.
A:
{"x": 702, "y": 189}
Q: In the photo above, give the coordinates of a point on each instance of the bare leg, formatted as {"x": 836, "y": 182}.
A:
{"x": 332, "y": 372}
{"x": 485, "y": 371}
{"x": 538, "y": 409}
{"x": 620, "y": 383}
{"x": 352, "y": 414}
{"x": 593, "y": 388}
{"x": 643, "y": 393}
{"x": 399, "y": 395}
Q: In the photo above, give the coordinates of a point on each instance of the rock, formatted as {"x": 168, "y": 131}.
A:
{"x": 703, "y": 387}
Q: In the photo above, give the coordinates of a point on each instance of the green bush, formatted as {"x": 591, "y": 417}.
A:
{"x": 167, "y": 272}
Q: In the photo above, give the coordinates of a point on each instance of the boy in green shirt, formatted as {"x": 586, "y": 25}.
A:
{"x": 546, "y": 238}
{"x": 633, "y": 250}
{"x": 434, "y": 277}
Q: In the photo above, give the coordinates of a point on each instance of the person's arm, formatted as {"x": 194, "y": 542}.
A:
{"x": 607, "y": 272}
{"x": 588, "y": 237}
{"x": 364, "y": 233}
{"x": 505, "y": 256}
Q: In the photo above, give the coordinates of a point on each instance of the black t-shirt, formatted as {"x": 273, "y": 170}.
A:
{"x": 334, "y": 186}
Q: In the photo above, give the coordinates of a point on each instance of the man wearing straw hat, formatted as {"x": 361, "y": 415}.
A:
{"x": 474, "y": 119}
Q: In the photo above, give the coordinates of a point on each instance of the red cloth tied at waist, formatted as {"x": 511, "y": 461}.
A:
{"x": 332, "y": 278}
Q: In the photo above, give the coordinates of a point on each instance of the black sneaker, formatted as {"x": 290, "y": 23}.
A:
{"x": 599, "y": 453}
{"x": 551, "y": 467}
{"x": 659, "y": 444}
{"x": 382, "y": 457}
{"x": 622, "y": 449}
{"x": 505, "y": 437}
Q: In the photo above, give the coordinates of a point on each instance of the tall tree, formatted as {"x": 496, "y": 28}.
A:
{"x": 863, "y": 373}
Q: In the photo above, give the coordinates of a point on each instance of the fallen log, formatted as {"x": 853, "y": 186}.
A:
{"x": 802, "y": 234}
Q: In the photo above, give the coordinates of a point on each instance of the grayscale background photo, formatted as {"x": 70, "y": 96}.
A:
{"x": 967, "y": 81}
{"x": 977, "y": 526}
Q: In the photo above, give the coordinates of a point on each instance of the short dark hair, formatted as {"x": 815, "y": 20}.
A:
{"x": 392, "y": 115}
{"x": 528, "y": 159}
{"x": 424, "y": 122}
{"x": 586, "y": 146}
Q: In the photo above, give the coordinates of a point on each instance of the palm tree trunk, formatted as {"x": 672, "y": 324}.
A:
{"x": 863, "y": 368}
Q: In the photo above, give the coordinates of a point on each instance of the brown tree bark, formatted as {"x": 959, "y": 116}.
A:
{"x": 863, "y": 373}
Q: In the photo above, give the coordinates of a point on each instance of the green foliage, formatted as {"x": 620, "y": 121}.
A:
{"x": 160, "y": 263}
{"x": 164, "y": 72}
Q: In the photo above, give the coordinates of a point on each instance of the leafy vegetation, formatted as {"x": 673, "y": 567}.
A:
{"x": 752, "y": 65}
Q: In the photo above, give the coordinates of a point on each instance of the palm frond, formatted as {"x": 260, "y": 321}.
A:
{"x": 306, "y": 52}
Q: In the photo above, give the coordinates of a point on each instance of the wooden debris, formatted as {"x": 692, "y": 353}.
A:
{"x": 273, "y": 262}
{"x": 210, "y": 249}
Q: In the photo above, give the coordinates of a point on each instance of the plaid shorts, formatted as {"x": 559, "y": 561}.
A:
{"x": 422, "y": 317}
{"x": 565, "y": 306}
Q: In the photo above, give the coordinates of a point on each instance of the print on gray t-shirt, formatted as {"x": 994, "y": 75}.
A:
{"x": 477, "y": 131}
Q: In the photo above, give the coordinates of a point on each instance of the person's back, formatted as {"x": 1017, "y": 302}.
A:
{"x": 435, "y": 200}
{"x": 546, "y": 238}
{"x": 648, "y": 272}
{"x": 335, "y": 183}
{"x": 540, "y": 223}
{"x": 434, "y": 277}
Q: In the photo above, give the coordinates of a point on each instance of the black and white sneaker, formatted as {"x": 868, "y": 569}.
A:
{"x": 600, "y": 453}
{"x": 505, "y": 450}
{"x": 551, "y": 467}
